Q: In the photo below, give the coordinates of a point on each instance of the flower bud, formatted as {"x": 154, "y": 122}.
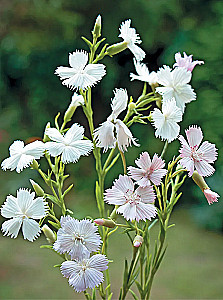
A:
{"x": 45, "y": 137}
{"x": 105, "y": 222}
{"x": 132, "y": 106}
{"x": 97, "y": 27}
{"x": 34, "y": 165}
{"x": 49, "y": 234}
{"x": 199, "y": 180}
{"x": 116, "y": 48}
{"x": 76, "y": 101}
{"x": 38, "y": 190}
{"x": 138, "y": 240}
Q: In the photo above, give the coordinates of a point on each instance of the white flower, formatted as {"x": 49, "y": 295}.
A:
{"x": 23, "y": 209}
{"x": 132, "y": 38}
{"x": 175, "y": 84}
{"x": 71, "y": 145}
{"x": 77, "y": 238}
{"x": 143, "y": 73}
{"x": 80, "y": 75}
{"x": 76, "y": 100}
{"x": 86, "y": 273}
{"x": 166, "y": 121}
{"x": 22, "y": 156}
{"x": 133, "y": 204}
{"x": 114, "y": 131}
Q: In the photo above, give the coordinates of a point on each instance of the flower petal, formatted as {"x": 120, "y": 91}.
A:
{"x": 97, "y": 71}
{"x": 16, "y": 148}
{"x": 119, "y": 102}
{"x": 54, "y": 135}
{"x": 204, "y": 168}
{"x": 75, "y": 133}
{"x": 31, "y": 229}
{"x": 78, "y": 59}
{"x": 209, "y": 152}
{"x": 104, "y": 135}
{"x": 194, "y": 136}
{"x": 98, "y": 262}
{"x": 36, "y": 149}
{"x": 12, "y": 226}
{"x": 10, "y": 207}
{"x": 55, "y": 148}
{"x": 37, "y": 209}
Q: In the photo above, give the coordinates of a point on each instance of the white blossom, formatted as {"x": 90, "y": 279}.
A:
{"x": 175, "y": 84}
{"x": 80, "y": 75}
{"x": 113, "y": 131}
{"x": 22, "y": 156}
{"x": 132, "y": 38}
{"x": 71, "y": 145}
{"x": 85, "y": 273}
{"x": 143, "y": 73}
{"x": 77, "y": 238}
{"x": 165, "y": 121}
{"x": 22, "y": 210}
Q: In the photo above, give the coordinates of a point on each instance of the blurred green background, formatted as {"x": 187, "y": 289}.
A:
{"x": 36, "y": 37}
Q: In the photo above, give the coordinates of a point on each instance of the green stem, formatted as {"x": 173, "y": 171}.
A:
{"x": 164, "y": 149}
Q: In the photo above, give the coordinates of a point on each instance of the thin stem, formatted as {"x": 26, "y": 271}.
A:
{"x": 164, "y": 149}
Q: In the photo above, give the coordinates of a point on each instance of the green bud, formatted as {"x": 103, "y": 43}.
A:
{"x": 159, "y": 103}
{"x": 39, "y": 191}
{"x": 77, "y": 100}
{"x": 132, "y": 106}
{"x": 199, "y": 180}
{"x": 97, "y": 27}
{"x": 34, "y": 165}
{"x": 116, "y": 48}
{"x": 45, "y": 137}
{"x": 105, "y": 222}
{"x": 138, "y": 240}
{"x": 49, "y": 234}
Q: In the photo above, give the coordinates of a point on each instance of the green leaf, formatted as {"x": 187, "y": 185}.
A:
{"x": 57, "y": 266}
{"x": 90, "y": 45}
{"x": 139, "y": 287}
{"x": 55, "y": 225}
{"x": 133, "y": 294}
{"x": 46, "y": 246}
{"x": 52, "y": 198}
{"x": 99, "y": 43}
{"x": 110, "y": 296}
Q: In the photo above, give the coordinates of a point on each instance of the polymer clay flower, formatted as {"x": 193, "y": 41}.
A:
{"x": 186, "y": 61}
{"x": 175, "y": 85}
{"x": 148, "y": 171}
{"x": 80, "y": 75}
{"x": 23, "y": 211}
{"x": 77, "y": 238}
{"x": 85, "y": 273}
{"x": 133, "y": 204}
{"x": 196, "y": 157}
{"x": 21, "y": 155}
{"x": 71, "y": 145}
{"x": 165, "y": 121}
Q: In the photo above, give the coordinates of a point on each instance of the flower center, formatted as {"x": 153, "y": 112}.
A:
{"x": 198, "y": 156}
{"x": 78, "y": 237}
{"x": 132, "y": 198}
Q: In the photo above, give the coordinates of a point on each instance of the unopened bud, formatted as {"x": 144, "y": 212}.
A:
{"x": 158, "y": 103}
{"x": 132, "y": 106}
{"x": 39, "y": 191}
{"x": 116, "y": 48}
{"x": 199, "y": 180}
{"x": 77, "y": 100}
{"x": 49, "y": 234}
{"x": 34, "y": 165}
{"x": 105, "y": 222}
{"x": 45, "y": 137}
{"x": 97, "y": 27}
{"x": 138, "y": 240}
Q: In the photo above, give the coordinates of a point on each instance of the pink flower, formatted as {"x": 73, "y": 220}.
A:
{"x": 134, "y": 205}
{"x": 195, "y": 157}
{"x": 211, "y": 196}
{"x": 186, "y": 61}
{"x": 148, "y": 171}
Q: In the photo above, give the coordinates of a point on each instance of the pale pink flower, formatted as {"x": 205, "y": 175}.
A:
{"x": 186, "y": 62}
{"x": 194, "y": 157}
{"x": 148, "y": 171}
{"x": 85, "y": 273}
{"x": 77, "y": 238}
{"x": 211, "y": 196}
{"x": 133, "y": 204}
